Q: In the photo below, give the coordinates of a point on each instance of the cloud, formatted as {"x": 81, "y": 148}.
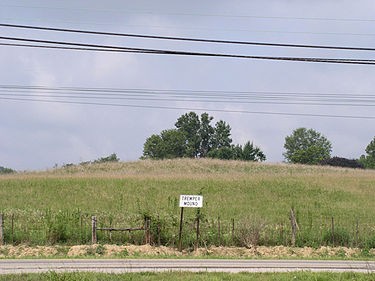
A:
{"x": 37, "y": 135}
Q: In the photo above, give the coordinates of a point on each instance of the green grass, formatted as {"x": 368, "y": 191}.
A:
{"x": 56, "y": 206}
{"x": 303, "y": 276}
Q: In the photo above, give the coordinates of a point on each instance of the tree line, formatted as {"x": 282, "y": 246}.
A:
{"x": 195, "y": 137}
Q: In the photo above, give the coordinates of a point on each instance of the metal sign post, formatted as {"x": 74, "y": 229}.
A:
{"x": 188, "y": 201}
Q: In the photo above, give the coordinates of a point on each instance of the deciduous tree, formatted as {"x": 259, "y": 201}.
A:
{"x": 368, "y": 160}
{"x": 306, "y": 146}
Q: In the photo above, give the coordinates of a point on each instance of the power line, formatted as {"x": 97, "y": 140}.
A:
{"x": 195, "y": 109}
{"x": 117, "y": 49}
{"x": 188, "y": 39}
{"x": 281, "y": 98}
{"x": 184, "y": 27}
{"x": 257, "y": 100}
{"x": 113, "y": 97}
{"x": 183, "y": 92}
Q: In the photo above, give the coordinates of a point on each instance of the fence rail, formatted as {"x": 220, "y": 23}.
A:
{"x": 145, "y": 228}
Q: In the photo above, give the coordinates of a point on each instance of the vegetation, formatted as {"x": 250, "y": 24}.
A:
{"x": 4, "y": 170}
{"x": 201, "y": 276}
{"x": 56, "y": 206}
{"x": 307, "y": 146}
{"x": 342, "y": 162}
{"x": 368, "y": 160}
{"x": 195, "y": 137}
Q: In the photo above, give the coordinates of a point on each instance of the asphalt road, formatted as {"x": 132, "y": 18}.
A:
{"x": 156, "y": 265}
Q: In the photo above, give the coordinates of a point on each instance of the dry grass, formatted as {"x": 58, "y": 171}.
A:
{"x": 121, "y": 193}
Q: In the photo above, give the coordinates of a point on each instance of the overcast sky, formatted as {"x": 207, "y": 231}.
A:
{"x": 37, "y": 135}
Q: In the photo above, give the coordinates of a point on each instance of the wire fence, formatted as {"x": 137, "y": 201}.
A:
{"x": 72, "y": 228}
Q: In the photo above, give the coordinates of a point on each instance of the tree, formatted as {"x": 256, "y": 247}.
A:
{"x": 189, "y": 124}
{"x": 169, "y": 144}
{"x": 206, "y": 132}
{"x": 248, "y": 152}
{"x": 252, "y": 153}
{"x": 221, "y": 136}
{"x": 369, "y": 160}
{"x": 111, "y": 158}
{"x": 152, "y": 148}
{"x": 342, "y": 162}
{"x": 370, "y": 149}
{"x": 4, "y": 170}
{"x": 306, "y": 146}
{"x": 194, "y": 136}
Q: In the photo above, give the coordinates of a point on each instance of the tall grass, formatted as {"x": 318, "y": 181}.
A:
{"x": 56, "y": 206}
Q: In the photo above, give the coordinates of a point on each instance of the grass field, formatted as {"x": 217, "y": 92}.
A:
{"x": 56, "y": 206}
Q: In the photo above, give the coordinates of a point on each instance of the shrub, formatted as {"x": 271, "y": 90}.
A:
{"x": 342, "y": 162}
{"x": 250, "y": 231}
{"x": 340, "y": 237}
{"x": 4, "y": 170}
{"x": 370, "y": 242}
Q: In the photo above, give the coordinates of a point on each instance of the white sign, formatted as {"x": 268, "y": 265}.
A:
{"x": 191, "y": 201}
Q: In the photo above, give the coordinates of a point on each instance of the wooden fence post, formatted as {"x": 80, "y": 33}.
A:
{"x": 94, "y": 238}
{"x": 197, "y": 238}
{"x": 159, "y": 231}
{"x": 333, "y": 231}
{"x": 232, "y": 231}
{"x": 12, "y": 219}
{"x": 295, "y": 227}
{"x": 218, "y": 231}
{"x": 356, "y": 233}
{"x": 1, "y": 230}
{"x": 147, "y": 228}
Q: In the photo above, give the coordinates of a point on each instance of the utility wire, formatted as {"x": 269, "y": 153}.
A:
{"x": 194, "y": 109}
{"x": 117, "y": 49}
{"x": 241, "y": 96}
{"x": 214, "y": 29}
{"x": 273, "y": 101}
{"x": 348, "y": 48}
{"x": 222, "y": 94}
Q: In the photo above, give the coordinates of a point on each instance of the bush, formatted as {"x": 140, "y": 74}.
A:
{"x": 250, "y": 231}
{"x": 340, "y": 237}
{"x": 4, "y": 170}
{"x": 370, "y": 243}
{"x": 342, "y": 162}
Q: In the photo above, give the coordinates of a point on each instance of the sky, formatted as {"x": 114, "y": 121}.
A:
{"x": 37, "y": 135}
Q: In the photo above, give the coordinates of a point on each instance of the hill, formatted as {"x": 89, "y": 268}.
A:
{"x": 56, "y": 206}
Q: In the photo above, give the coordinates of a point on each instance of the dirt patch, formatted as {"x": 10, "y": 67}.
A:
{"x": 26, "y": 251}
{"x": 123, "y": 251}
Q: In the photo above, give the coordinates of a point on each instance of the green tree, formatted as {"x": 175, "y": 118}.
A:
{"x": 368, "y": 160}
{"x": 306, "y": 146}
{"x": 248, "y": 152}
{"x": 252, "y": 153}
{"x": 224, "y": 153}
{"x": 189, "y": 124}
{"x": 221, "y": 136}
{"x": 194, "y": 136}
{"x": 169, "y": 144}
{"x": 4, "y": 170}
{"x": 111, "y": 158}
{"x": 206, "y": 132}
{"x": 370, "y": 149}
{"x": 173, "y": 143}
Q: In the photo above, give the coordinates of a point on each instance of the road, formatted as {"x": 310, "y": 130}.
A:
{"x": 157, "y": 265}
